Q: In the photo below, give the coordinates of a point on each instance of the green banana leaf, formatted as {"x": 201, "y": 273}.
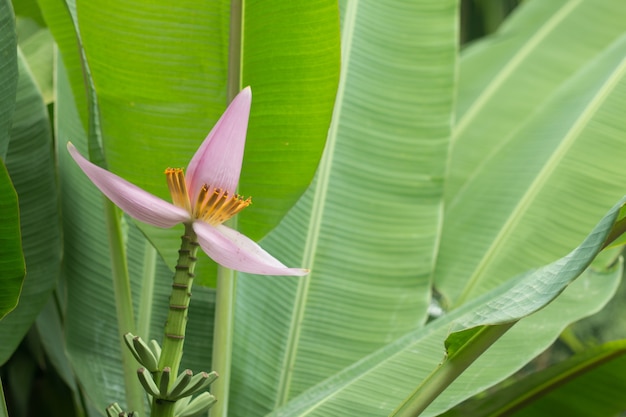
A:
{"x": 36, "y": 43}
{"x": 412, "y": 359}
{"x": 29, "y": 9}
{"x": 368, "y": 225}
{"x": 164, "y": 83}
{"x": 51, "y": 332}
{"x": 589, "y": 383}
{"x": 538, "y": 103}
{"x": 30, "y": 164}
{"x": 505, "y": 77}
{"x": 60, "y": 16}
{"x": 487, "y": 318}
{"x": 319, "y": 324}
{"x": 92, "y": 337}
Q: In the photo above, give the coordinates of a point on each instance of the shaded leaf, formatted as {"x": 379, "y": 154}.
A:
{"x": 37, "y": 46}
{"x": 30, "y": 164}
{"x": 587, "y": 384}
{"x": 8, "y": 72}
{"x": 12, "y": 268}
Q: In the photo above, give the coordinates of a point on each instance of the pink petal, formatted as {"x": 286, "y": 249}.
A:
{"x": 218, "y": 160}
{"x": 233, "y": 250}
{"x": 138, "y": 203}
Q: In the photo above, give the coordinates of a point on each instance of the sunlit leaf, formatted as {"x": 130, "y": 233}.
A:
{"x": 169, "y": 83}
{"x": 368, "y": 225}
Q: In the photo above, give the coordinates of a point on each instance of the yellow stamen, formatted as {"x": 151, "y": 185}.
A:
{"x": 213, "y": 205}
{"x": 178, "y": 188}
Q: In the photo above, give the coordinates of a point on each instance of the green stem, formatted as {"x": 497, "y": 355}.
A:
{"x": 430, "y": 388}
{"x": 123, "y": 306}
{"x": 147, "y": 291}
{"x": 223, "y": 339}
{"x": 174, "y": 337}
{"x": 235, "y": 48}
{"x": 3, "y": 407}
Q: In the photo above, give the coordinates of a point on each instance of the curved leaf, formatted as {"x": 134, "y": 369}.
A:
{"x": 37, "y": 45}
{"x": 377, "y": 383}
{"x": 368, "y": 225}
{"x": 586, "y": 384}
{"x": 491, "y": 315}
{"x": 12, "y": 268}
{"x": 60, "y": 16}
{"x": 30, "y": 164}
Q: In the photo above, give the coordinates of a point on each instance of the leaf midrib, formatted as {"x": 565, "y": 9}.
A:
{"x": 510, "y": 67}
{"x": 317, "y": 214}
{"x": 542, "y": 177}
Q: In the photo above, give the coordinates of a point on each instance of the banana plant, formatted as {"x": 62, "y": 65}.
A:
{"x": 448, "y": 211}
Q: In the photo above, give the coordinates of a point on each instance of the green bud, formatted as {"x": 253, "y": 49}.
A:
{"x": 146, "y": 356}
{"x": 113, "y": 410}
{"x": 145, "y": 378}
{"x": 180, "y": 405}
{"x": 156, "y": 349}
{"x": 164, "y": 382}
{"x": 128, "y": 339}
{"x": 199, "y": 383}
{"x": 198, "y": 405}
{"x": 179, "y": 385}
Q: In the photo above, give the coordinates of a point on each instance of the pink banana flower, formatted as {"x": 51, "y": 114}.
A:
{"x": 204, "y": 196}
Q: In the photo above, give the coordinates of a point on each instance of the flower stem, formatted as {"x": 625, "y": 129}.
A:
{"x": 174, "y": 338}
{"x": 123, "y": 305}
{"x": 223, "y": 339}
{"x": 147, "y": 291}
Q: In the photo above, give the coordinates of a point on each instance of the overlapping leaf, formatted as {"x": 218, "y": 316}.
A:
{"x": 92, "y": 336}
{"x": 588, "y": 383}
{"x": 368, "y": 226}
{"x": 30, "y": 164}
{"x": 12, "y": 264}
{"x": 377, "y": 384}
{"x": 162, "y": 85}
{"x": 533, "y": 158}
